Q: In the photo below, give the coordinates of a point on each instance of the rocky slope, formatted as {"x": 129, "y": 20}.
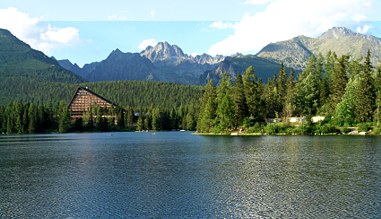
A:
{"x": 295, "y": 52}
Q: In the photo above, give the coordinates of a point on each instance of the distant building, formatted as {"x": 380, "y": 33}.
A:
{"x": 316, "y": 119}
{"x": 83, "y": 101}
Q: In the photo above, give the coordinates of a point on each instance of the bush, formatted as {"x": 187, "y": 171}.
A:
{"x": 376, "y": 131}
{"x": 362, "y": 127}
{"x": 271, "y": 129}
{"x": 276, "y": 128}
{"x": 328, "y": 129}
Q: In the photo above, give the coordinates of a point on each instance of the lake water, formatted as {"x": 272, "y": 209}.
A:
{"x": 179, "y": 175}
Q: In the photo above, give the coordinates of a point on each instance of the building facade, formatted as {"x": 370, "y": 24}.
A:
{"x": 84, "y": 100}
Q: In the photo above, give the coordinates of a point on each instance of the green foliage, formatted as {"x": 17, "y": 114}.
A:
{"x": 363, "y": 127}
{"x": 225, "y": 111}
{"x": 208, "y": 109}
{"x": 253, "y": 94}
{"x": 241, "y": 109}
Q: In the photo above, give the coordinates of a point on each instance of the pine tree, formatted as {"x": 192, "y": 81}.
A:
{"x": 281, "y": 88}
{"x": 339, "y": 80}
{"x": 345, "y": 110}
{"x": 253, "y": 94}
{"x": 63, "y": 118}
{"x": 307, "y": 90}
{"x": 140, "y": 123}
{"x": 225, "y": 105}
{"x": 289, "y": 106}
{"x": 377, "y": 87}
{"x": 241, "y": 109}
{"x": 365, "y": 95}
{"x": 207, "y": 109}
{"x": 32, "y": 114}
{"x": 156, "y": 120}
{"x": 190, "y": 122}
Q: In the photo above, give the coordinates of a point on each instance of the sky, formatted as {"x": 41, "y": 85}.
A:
{"x": 86, "y": 31}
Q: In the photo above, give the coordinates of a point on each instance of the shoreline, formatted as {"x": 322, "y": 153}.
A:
{"x": 280, "y": 134}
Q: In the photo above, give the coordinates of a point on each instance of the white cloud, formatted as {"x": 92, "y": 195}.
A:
{"x": 284, "y": 19}
{"x": 60, "y": 35}
{"x": 147, "y": 42}
{"x": 221, "y": 25}
{"x": 38, "y": 35}
{"x": 364, "y": 29}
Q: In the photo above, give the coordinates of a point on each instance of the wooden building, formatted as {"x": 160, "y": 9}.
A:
{"x": 84, "y": 100}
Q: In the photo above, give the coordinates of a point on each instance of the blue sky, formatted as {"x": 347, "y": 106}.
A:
{"x": 85, "y": 31}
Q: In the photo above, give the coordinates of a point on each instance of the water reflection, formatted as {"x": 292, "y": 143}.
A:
{"x": 177, "y": 175}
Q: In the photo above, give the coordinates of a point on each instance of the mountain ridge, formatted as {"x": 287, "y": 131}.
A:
{"x": 343, "y": 41}
{"x": 18, "y": 59}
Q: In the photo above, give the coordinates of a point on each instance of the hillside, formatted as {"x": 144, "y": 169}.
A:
{"x": 18, "y": 59}
{"x": 263, "y": 68}
{"x": 295, "y": 52}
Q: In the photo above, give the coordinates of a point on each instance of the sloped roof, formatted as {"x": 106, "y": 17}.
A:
{"x": 91, "y": 92}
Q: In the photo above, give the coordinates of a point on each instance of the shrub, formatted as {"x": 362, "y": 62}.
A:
{"x": 362, "y": 127}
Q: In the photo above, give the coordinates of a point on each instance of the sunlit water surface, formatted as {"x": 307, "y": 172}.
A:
{"x": 180, "y": 175}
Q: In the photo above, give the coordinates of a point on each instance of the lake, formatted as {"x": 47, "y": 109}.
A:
{"x": 180, "y": 175}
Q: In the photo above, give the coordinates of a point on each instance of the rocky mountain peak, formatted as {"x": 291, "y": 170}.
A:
{"x": 116, "y": 52}
{"x": 163, "y": 51}
{"x": 337, "y": 32}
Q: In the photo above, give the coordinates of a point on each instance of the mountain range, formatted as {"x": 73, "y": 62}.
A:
{"x": 166, "y": 62}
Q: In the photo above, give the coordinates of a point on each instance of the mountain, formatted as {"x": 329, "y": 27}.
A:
{"x": 18, "y": 59}
{"x": 164, "y": 62}
{"x": 237, "y": 64}
{"x": 295, "y": 52}
{"x": 121, "y": 66}
{"x": 66, "y": 64}
{"x": 165, "y": 53}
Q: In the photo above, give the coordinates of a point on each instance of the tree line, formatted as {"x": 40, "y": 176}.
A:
{"x": 346, "y": 91}
{"x": 30, "y": 118}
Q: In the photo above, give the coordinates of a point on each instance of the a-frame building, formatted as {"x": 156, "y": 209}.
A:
{"x": 84, "y": 99}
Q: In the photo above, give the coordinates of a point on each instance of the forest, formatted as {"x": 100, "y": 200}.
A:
{"x": 346, "y": 91}
{"x": 40, "y": 107}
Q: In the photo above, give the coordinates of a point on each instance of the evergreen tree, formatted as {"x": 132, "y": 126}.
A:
{"x": 33, "y": 118}
{"x": 225, "y": 105}
{"x": 281, "y": 88}
{"x": 377, "y": 87}
{"x": 307, "y": 90}
{"x": 156, "y": 120}
{"x": 339, "y": 80}
{"x": 191, "y": 125}
{"x": 253, "y": 94}
{"x": 289, "y": 106}
{"x": 241, "y": 109}
{"x": 63, "y": 118}
{"x": 345, "y": 110}
{"x": 208, "y": 109}
{"x": 140, "y": 123}
{"x": 365, "y": 96}
{"x": 271, "y": 98}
